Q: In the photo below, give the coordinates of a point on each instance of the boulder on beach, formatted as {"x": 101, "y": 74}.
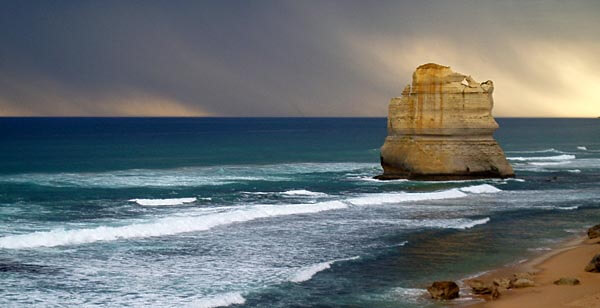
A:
{"x": 594, "y": 232}
{"x": 502, "y": 283}
{"x": 480, "y": 287}
{"x": 444, "y": 290}
{"x": 567, "y": 281}
{"x": 522, "y": 283}
{"x": 594, "y": 265}
{"x": 441, "y": 128}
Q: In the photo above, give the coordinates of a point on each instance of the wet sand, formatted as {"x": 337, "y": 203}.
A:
{"x": 568, "y": 260}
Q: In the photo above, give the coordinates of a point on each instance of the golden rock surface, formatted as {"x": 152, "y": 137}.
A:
{"x": 441, "y": 128}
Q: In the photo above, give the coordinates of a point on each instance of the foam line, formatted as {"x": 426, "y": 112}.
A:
{"x": 543, "y": 158}
{"x": 182, "y": 224}
{"x": 160, "y": 202}
{"x": 161, "y": 227}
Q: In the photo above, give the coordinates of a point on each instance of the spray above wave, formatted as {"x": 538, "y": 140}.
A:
{"x": 161, "y": 202}
{"x": 306, "y": 273}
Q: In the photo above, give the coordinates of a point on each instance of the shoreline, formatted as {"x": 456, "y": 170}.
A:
{"x": 566, "y": 260}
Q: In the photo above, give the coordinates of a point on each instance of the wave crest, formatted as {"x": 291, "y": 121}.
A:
{"x": 306, "y": 273}
{"x": 543, "y": 158}
{"x": 160, "y": 202}
{"x": 220, "y": 300}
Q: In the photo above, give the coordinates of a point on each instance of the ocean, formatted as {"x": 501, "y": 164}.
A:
{"x": 268, "y": 212}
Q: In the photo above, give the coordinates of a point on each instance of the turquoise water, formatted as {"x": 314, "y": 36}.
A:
{"x": 268, "y": 212}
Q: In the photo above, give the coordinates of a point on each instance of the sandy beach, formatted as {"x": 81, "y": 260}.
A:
{"x": 569, "y": 261}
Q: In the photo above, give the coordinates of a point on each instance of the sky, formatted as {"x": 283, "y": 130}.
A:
{"x": 322, "y": 58}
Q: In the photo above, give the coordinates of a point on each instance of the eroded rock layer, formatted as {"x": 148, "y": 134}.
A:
{"x": 441, "y": 128}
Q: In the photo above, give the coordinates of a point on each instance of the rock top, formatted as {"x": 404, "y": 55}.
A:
{"x": 441, "y": 128}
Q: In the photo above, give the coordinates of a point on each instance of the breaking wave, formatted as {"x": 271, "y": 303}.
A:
{"x": 481, "y": 189}
{"x": 182, "y": 224}
{"x": 160, "y": 202}
{"x": 551, "y": 150}
{"x": 220, "y": 300}
{"x": 449, "y": 223}
{"x": 556, "y": 163}
{"x": 306, "y": 273}
{"x": 385, "y": 198}
{"x": 160, "y": 227}
{"x": 543, "y": 158}
{"x": 303, "y": 192}
{"x": 582, "y": 148}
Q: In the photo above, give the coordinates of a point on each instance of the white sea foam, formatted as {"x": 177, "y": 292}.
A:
{"x": 543, "y": 158}
{"x": 551, "y": 150}
{"x": 481, "y": 189}
{"x": 555, "y": 163}
{"x": 160, "y": 227}
{"x": 412, "y": 295}
{"x": 563, "y": 208}
{"x": 567, "y": 208}
{"x": 449, "y": 223}
{"x": 574, "y": 170}
{"x": 188, "y": 177}
{"x": 306, "y": 273}
{"x": 397, "y": 245}
{"x": 181, "y": 224}
{"x": 161, "y": 202}
{"x": 220, "y": 300}
{"x": 386, "y": 198}
{"x": 303, "y": 192}
{"x": 582, "y": 148}
{"x": 373, "y": 180}
{"x": 540, "y": 249}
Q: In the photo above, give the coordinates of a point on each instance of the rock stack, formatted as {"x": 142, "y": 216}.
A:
{"x": 441, "y": 128}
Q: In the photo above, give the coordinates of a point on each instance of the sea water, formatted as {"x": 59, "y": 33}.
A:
{"x": 268, "y": 212}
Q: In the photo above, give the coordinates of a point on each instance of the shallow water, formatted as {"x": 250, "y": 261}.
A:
{"x": 268, "y": 212}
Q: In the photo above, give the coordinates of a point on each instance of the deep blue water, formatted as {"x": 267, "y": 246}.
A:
{"x": 268, "y": 212}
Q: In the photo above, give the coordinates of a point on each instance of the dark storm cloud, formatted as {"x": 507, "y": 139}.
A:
{"x": 289, "y": 58}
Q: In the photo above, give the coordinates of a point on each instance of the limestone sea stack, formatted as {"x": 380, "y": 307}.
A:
{"x": 441, "y": 128}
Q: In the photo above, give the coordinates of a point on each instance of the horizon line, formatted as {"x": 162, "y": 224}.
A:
{"x": 261, "y": 117}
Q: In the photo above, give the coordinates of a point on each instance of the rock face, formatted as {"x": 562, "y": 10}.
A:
{"x": 480, "y": 287}
{"x": 443, "y": 290}
{"x": 522, "y": 283}
{"x": 594, "y": 232}
{"x": 594, "y": 265}
{"x": 441, "y": 129}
